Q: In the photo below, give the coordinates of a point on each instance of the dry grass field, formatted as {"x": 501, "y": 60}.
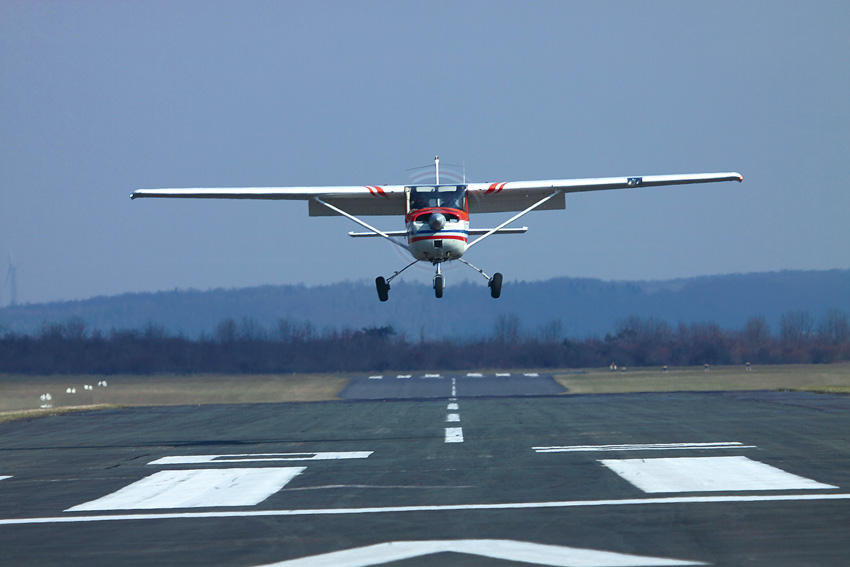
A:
{"x": 20, "y": 395}
{"x": 831, "y": 378}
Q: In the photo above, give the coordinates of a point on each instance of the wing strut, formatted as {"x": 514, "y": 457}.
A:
{"x": 363, "y": 224}
{"x": 513, "y": 218}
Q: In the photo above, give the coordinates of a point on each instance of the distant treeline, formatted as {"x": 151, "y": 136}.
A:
{"x": 293, "y": 346}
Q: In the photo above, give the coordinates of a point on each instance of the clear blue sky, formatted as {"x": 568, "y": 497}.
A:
{"x": 101, "y": 98}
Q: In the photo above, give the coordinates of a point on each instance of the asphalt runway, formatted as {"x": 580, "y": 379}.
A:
{"x": 520, "y": 476}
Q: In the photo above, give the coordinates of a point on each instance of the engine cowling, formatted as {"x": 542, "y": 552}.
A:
{"x": 437, "y": 221}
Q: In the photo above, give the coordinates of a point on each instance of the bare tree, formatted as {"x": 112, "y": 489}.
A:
{"x": 834, "y": 328}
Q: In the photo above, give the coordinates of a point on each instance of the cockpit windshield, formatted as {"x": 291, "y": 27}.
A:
{"x": 447, "y": 196}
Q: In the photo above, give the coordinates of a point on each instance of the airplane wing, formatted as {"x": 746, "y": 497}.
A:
{"x": 363, "y": 200}
{"x": 519, "y": 195}
{"x": 369, "y": 200}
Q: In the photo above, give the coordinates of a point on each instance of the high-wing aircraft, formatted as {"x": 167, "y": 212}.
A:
{"x": 437, "y": 215}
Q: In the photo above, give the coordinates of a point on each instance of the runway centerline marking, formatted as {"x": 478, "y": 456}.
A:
{"x": 707, "y": 474}
{"x": 260, "y": 457}
{"x": 2, "y": 477}
{"x": 453, "y": 418}
{"x": 643, "y": 447}
{"x": 199, "y": 488}
{"x": 663, "y": 501}
{"x": 454, "y": 435}
{"x": 452, "y": 407}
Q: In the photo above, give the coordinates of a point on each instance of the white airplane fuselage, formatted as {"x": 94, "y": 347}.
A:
{"x": 437, "y": 234}
{"x": 437, "y": 222}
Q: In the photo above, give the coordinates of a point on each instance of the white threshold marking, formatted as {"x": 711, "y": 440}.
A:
{"x": 195, "y": 489}
{"x": 531, "y": 375}
{"x": 453, "y": 418}
{"x": 452, "y": 407}
{"x": 659, "y": 501}
{"x": 504, "y": 549}
{"x": 432, "y": 376}
{"x": 707, "y": 474}
{"x": 503, "y": 374}
{"x": 376, "y": 377}
{"x": 643, "y": 447}
{"x": 260, "y": 458}
{"x": 403, "y": 376}
{"x": 474, "y": 375}
{"x": 454, "y": 435}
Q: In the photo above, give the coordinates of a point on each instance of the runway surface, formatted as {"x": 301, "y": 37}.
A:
{"x": 520, "y": 476}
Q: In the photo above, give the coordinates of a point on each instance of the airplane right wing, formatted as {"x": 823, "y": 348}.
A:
{"x": 519, "y": 195}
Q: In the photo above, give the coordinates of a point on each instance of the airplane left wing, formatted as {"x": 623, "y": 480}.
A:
{"x": 518, "y": 195}
{"x": 364, "y": 200}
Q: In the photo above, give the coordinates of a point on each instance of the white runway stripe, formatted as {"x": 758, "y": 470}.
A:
{"x": 643, "y": 447}
{"x": 454, "y": 435}
{"x": 260, "y": 458}
{"x": 707, "y": 474}
{"x": 677, "y": 500}
{"x": 195, "y": 489}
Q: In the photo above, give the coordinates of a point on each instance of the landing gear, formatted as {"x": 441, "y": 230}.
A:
{"x": 383, "y": 284}
{"x": 495, "y": 285}
{"x": 383, "y": 288}
{"x": 439, "y": 282}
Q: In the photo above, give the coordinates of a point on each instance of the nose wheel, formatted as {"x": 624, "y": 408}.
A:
{"x": 439, "y": 282}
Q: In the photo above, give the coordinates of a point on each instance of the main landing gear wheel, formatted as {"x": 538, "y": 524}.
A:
{"x": 439, "y": 283}
{"x": 383, "y": 288}
{"x": 495, "y": 285}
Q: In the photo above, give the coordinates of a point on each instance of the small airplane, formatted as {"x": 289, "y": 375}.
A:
{"x": 437, "y": 215}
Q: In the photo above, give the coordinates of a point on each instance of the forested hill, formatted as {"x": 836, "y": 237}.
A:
{"x": 582, "y": 306}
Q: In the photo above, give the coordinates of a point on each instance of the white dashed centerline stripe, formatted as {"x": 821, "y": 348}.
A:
{"x": 454, "y": 435}
{"x": 2, "y": 477}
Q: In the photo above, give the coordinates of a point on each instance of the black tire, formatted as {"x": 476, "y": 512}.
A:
{"x": 496, "y": 286}
{"x": 383, "y": 288}
{"x": 438, "y": 286}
